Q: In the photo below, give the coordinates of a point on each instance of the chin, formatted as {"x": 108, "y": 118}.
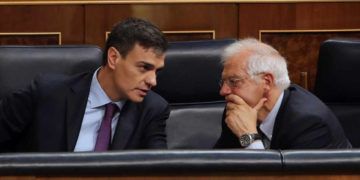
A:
{"x": 136, "y": 99}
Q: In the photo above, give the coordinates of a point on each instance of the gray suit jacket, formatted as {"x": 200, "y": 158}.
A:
{"x": 47, "y": 117}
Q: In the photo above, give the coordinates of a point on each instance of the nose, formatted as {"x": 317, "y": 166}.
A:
{"x": 225, "y": 90}
{"x": 151, "y": 80}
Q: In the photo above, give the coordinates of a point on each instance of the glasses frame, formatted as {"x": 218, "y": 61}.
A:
{"x": 235, "y": 82}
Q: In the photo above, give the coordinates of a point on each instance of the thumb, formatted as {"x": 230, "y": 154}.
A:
{"x": 260, "y": 104}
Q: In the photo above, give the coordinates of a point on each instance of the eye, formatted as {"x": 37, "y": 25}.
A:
{"x": 148, "y": 67}
{"x": 144, "y": 67}
{"x": 233, "y": 82}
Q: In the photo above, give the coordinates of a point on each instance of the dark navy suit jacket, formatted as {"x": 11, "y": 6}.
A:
{"x": 47, "y": 117}
{"x": 302, "y": 122}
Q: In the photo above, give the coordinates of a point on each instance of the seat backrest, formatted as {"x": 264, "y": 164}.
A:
{"x": 20, "y": 64}
{"x": 337, "y": 83}
{"x": 189, "y": 82}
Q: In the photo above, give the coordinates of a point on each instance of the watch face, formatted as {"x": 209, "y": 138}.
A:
{"x": 245, "y": 140}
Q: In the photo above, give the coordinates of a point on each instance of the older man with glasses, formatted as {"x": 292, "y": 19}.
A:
{"x": 264, "y": 111}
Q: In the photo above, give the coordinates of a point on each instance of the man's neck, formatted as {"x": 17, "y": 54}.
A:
{"x": 269, "y": 104}
{"x": 106, "y": 83}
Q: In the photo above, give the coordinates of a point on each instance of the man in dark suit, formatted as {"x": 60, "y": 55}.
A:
{"x": 62, "y": 113}
{"x": 264, "y": 111}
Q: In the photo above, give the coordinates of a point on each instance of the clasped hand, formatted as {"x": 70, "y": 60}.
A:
{"x": 240, "y": 117}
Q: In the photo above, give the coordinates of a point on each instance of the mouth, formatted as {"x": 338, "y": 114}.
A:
{"x": 143, "y": 92}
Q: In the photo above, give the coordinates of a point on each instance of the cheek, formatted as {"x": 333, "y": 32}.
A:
{"x": 250, "y": 95}
{"x": 257, "y": 94}
{"x": 246, "y": 94}
{"x": 121, "y": 80}
{"x": 124, "y": 73}
{"x": 128, "y": 79}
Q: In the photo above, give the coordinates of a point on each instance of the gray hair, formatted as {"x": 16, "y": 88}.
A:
{"x": 262, "y": 59}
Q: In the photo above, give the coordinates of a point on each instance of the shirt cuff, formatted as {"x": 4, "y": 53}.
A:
{"x": 257, "y": 144}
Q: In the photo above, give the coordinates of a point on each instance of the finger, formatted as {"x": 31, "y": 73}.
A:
{"x": 230, "y": 106}
{"x": 235, "y": 99}
{"x": 227, "y": 113}
{"x": 260, "y": 104}
{"x": 230, "y": 122}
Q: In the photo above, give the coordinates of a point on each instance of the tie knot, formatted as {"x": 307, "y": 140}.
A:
{"x": 110, "y": 109}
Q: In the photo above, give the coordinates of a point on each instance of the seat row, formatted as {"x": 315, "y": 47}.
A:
{"x": 189, "y": 82}
{"x": 181, "y": 162}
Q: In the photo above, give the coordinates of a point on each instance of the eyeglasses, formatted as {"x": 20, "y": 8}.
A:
{"x": 232, "y": 82}
{"x": 235, "y": 82}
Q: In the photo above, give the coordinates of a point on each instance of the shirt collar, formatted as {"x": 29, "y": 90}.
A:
{"x": 97, "y": 96}
{"x": 267, "y": 126}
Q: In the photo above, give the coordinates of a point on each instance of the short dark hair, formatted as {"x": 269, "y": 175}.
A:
{"x": 127, "y": 33}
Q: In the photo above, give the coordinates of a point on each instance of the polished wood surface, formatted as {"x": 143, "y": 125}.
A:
{"x": 30, "y": 38}
{"x": 39, "y": 2}
{"x": 221, "y": 18}
{"x": 68, "y": 20}
{"x": 87, "y": 23}
{"x": 190, "y": 35}
{"x": 301, "y": 50}
{"x": 297, "y": 16}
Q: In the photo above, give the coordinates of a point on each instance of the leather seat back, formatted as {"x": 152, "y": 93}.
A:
{"x": 189, "y": 83}
{"x": 20, "y": 64}
{"x": 337, "y": 83}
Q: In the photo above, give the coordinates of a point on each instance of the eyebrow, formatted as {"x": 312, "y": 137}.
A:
{"x": 150, "y": 66}
{"x": 235, "y": 77}
{"x": 146, "y": 64}
{"x": 160, "y": 69}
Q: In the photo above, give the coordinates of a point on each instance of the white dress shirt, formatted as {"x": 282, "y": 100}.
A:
{"x": 94, "y": 113}
{"x": 267, "y": 126}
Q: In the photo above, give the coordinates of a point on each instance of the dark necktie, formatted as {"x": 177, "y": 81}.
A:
{"x": 104, "y": 134}
{"x": 266, "y": 142}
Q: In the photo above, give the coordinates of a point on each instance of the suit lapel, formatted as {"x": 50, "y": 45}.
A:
{"x": 127, "y": 122}
{"x": 75, "y": 108}
{"x": 275, "y": 142}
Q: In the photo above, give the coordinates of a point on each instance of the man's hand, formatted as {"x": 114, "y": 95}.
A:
{"x": 240, "y": 117}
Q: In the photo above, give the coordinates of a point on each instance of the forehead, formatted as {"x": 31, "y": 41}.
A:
{"x": 146, "y": 55}
{"x": 236, "y": 65}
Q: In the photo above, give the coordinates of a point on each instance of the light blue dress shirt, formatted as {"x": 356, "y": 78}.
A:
{"x": 94, "y": 113}
{"x": 267, "y": 126}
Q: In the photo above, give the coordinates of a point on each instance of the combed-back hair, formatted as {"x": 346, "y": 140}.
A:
{"x": 262, "y": 59}
{"x": 127, "y": 33}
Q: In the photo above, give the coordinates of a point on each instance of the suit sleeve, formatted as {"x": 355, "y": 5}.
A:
{"x": 155, "y": 134}
{"x": 16, "y": 113}
{"x": 315, "y": 136}
{"x": 317, "y": 133}
{"x": 227, "y": 138}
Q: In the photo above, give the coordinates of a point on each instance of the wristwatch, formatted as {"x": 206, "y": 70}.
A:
{"x": 247, "y": 139}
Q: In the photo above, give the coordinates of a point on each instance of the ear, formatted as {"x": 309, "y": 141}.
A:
{"x": 269, "y": 80}
{"x": 113, "y": 57}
